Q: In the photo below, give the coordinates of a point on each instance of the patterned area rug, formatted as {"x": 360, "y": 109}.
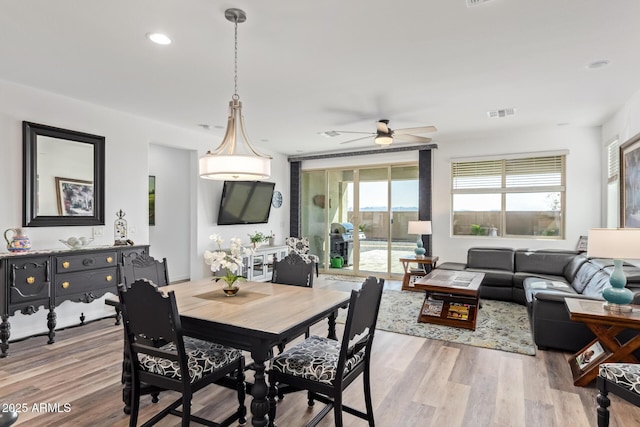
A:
{"x": 500, "y": 325}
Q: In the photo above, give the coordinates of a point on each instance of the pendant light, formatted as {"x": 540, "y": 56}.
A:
{"x": 235, "y": 159}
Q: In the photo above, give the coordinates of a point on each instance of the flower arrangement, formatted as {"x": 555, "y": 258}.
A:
{"x": 230, "y": 260}
{"x": 257, "y": 238}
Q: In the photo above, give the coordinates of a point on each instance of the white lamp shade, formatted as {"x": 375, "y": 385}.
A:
{"x": 614, "y": 243}
{"x": 234, "y": 167}
{"x": 419, "y": 227}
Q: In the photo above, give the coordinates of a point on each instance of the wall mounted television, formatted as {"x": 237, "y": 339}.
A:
{"x": 245, "y": 202}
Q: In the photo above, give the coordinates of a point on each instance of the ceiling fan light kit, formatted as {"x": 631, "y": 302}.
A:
{"x": 235, "y": 158}
{"x": 384, "y": 135}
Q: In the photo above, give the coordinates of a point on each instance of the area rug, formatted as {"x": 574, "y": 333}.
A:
{"x": 500, "y": 325}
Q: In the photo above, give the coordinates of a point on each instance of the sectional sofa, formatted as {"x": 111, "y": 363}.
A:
{"x": 541, "y": 280}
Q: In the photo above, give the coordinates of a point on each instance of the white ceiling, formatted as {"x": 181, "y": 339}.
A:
{"x": 307, "y": 67}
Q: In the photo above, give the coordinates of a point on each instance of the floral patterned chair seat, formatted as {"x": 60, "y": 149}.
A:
{"x": 621, "y": 379}
{"x": 204, "y": 357}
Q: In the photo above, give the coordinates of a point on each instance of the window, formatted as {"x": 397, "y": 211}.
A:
{"x": 511, "y": 197}
{"x": 613, "y": 184}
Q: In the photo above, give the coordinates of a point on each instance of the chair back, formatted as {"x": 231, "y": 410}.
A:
{"x": 293, "y": 270}
{"x": 145, "y": 267}
{"x": 300, "y": 246}
{"x": 361, "y": 321}
{"x": 151, "y": 321}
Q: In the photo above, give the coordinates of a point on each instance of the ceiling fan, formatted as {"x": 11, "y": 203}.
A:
{"x": 384, "y": 135}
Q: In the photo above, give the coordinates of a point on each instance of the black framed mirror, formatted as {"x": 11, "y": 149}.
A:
{"x": 63, "y": 177}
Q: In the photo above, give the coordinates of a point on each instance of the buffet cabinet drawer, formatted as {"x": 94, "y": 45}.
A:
{"x": 86, "y": 261}
{"x": 82, "y": 281}
{"x": 29, "y": 280}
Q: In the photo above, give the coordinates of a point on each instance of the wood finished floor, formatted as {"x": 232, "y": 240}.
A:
{"x": 416, "y": 382}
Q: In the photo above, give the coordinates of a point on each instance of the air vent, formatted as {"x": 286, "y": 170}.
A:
{"x": 472, "y": 3}
{"x": 505, "y": 112}
{"x": 329, "y": 134}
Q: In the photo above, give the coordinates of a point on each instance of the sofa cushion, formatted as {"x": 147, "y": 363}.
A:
{"x": 547, "y": 261}
{"x": 519, "y": 278}
{"x": 598, "y": 282}
{"x": 572, "y": 267}
{"x": 535, "y": 285}
{"x": 584, "y": 275}
{"x": 495, "y": 277}
{"x": 490, "y": 259}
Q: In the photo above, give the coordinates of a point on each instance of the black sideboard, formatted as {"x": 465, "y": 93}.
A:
{"x": 46, "y": 279}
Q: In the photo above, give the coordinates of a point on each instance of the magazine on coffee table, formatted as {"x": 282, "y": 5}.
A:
{"x": 592, "y": 353}
{"x": 432, "y": 307}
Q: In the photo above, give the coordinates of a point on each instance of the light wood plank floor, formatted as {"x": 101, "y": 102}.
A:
{"x": 416, "y": 382}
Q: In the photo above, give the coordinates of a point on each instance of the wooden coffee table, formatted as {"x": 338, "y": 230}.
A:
{"x": 606, "y": 348}
{"x": 452, "y": 298}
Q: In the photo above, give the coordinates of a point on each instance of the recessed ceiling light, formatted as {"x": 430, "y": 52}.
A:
{"x": 159, "y": 38}
{"x": 598, "y": 64}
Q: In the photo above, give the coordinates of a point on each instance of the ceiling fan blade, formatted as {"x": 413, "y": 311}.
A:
{"x": 357, "y": 139}
{"x": 423, "y": 129}
{"x": 352, "y": 131}
{"x": 411, "y": 138}
{"x": 382, "y": 126}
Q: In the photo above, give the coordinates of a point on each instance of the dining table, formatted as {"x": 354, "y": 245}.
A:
{"x": 258, "y": 318}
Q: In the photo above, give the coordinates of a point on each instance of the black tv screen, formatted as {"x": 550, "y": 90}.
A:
{"x": 245, "y": 202}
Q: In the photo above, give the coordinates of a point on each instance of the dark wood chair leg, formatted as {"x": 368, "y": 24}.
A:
{"x": 603, "y": 411}
{"x": 367, "y": 396}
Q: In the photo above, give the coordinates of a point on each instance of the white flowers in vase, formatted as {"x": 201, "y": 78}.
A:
{"x": 230, "y": 260}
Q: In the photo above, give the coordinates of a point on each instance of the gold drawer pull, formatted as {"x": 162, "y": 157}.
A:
{"x": 109, "y": 259}
{"x": 66, "y": 264}
{"x": 109, "y": 278}
{"x": 31, "y": 280}
{"x": 65, "y": 285}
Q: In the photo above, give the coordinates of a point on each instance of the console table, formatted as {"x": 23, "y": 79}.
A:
{"x": 46, "y": 279}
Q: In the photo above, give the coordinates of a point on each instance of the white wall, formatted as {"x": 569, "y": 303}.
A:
{"x": 127, "y": 169}
{"x": 582, "y": 189}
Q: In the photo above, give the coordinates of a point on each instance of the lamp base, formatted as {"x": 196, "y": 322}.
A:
{"x": 617, "y": 308}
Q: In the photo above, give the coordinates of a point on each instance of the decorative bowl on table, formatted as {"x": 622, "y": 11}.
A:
{"x": 77, "y": 242}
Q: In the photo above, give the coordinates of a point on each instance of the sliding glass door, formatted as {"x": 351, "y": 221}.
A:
{"x": 365, "y": 212}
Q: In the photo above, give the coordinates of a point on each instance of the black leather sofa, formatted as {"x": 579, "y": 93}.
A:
{"x": 541, "y": 280}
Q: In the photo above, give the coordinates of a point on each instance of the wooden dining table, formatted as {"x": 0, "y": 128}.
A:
{"x": 258, "y": 318}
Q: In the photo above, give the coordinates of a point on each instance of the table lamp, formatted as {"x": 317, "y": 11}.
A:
{"x": 419, "y": 228}
{"x": 617, "y": 244}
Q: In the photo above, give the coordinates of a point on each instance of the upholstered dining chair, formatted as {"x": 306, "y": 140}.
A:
{"x": 162, "y": 357}
{"x": 326, "y": 367}
{"x": 621, "y": 379}
{"x": 300, "y": 246}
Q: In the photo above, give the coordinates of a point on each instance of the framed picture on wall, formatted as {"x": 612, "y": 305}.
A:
{"x": 75, "y": 197}
{"x": 630, "y": 183}
{"x": 152, "y": 200}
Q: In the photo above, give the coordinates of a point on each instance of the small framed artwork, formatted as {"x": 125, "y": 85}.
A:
{"x": 590, "y": 355}
{"x": 630, "y": 183}
{"x": 75, "y": 197}
{"x": 582, "y": 244}
{"x": 152, "y": 200}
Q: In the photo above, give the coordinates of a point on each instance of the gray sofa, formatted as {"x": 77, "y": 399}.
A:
{"x": 541, "y": 280}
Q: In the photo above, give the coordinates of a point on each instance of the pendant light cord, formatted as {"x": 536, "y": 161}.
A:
{"x": 235, "y": 70}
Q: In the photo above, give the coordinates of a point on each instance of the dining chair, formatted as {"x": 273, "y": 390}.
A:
{"x": 326, "y": 367}
{"x": 300, "y": 246}
{"x": 293, "y": 270}
{"x": 621, "y": 379}
{"x": 145, "y": 267}
{"x": 162, "y": 357}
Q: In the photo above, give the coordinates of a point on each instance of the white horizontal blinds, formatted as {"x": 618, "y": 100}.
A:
{"x": 543, "y": 173}
{"x": 476, "y": 175}
{"x": 613, "y": 164}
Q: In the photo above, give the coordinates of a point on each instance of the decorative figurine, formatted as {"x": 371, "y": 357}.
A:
{"x": 120, "y": 229}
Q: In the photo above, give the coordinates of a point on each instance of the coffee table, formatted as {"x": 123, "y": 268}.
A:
{"x": 452, "y": 298}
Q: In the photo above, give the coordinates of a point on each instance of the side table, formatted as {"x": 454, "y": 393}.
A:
{"x": 606, "y": 348}
{"x": 425, "y": 265}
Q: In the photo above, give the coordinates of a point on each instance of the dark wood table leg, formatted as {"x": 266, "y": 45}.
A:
{"x": 51, "y": 324}
{"x": 5, "y": 333}
{"x": 332, "y": 326}
{"x": 259, "y": 403}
